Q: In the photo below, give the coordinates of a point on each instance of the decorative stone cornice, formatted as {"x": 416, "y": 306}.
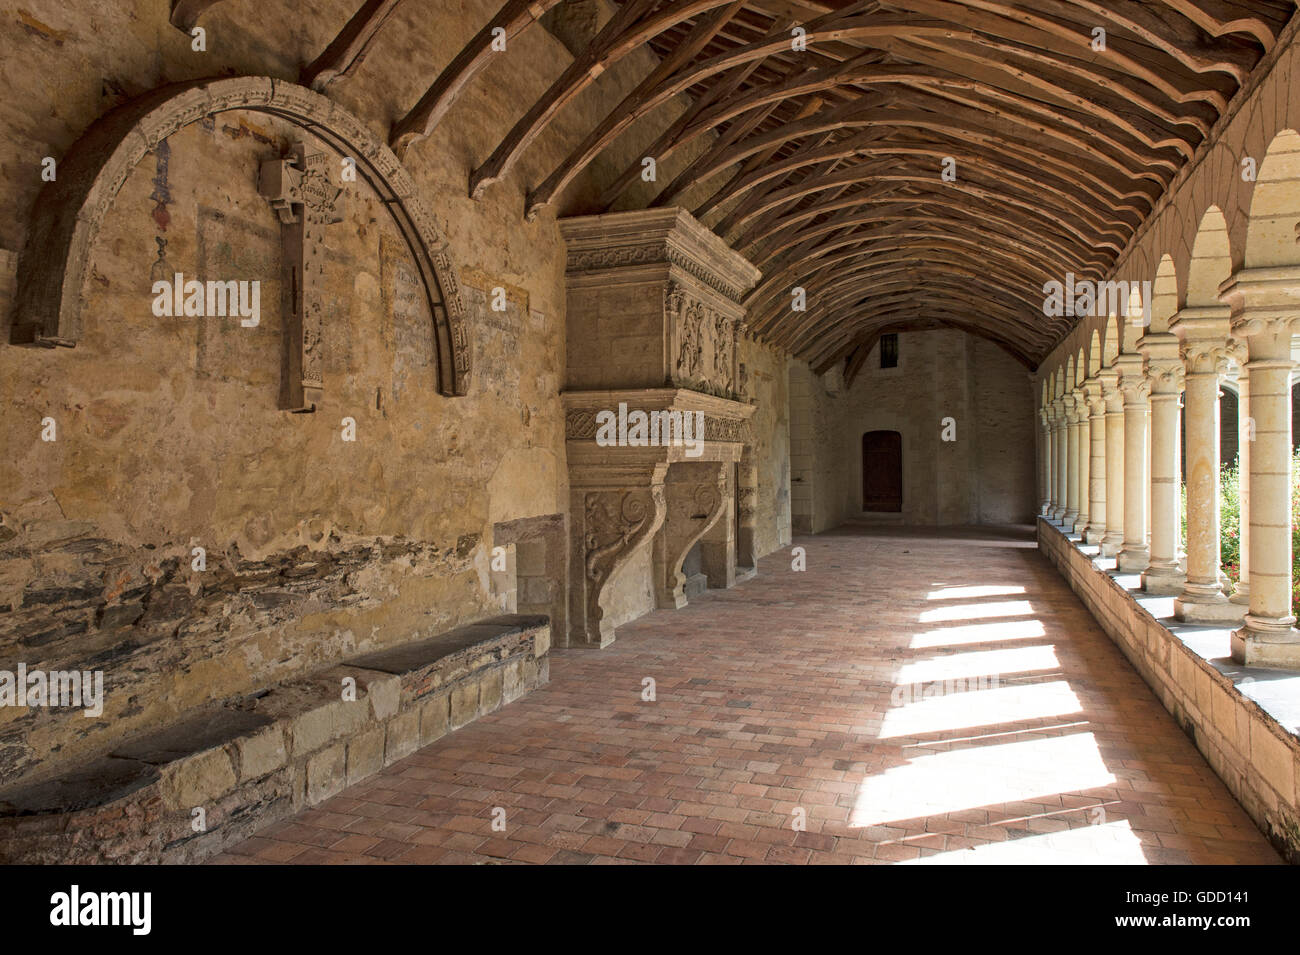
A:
{"x": 657, "y": 237}
{"x": 724, "y": 420}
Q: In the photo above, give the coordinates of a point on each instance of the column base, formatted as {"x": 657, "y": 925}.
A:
{"x": 1267, "y": 642}
{"x": 1111, "y": 545}
{"x": 1162, "y": 580}
{"x": 1197, "y": 608}
{"x": 1094, "y": 534}
{"x": 1081, "y": 524}
{"x": 1133, "y": 560}
{"x": 1068, "y": 519}
{"x": 1241, "y": 594}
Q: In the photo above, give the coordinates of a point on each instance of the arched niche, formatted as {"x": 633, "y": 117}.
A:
{"x": 55, "y": 259}
{"x": 1094, "y": 354}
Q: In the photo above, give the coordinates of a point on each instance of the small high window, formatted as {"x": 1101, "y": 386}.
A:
{"x": 889, "y": 351}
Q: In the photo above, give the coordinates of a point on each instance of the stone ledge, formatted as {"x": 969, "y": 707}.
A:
{"x": 251, "y": 761}
{"x": 1244, "y": 720}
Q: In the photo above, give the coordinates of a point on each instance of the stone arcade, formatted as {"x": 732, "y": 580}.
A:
{"x": 939, "y": 566}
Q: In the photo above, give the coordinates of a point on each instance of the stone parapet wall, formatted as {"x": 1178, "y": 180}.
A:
{"x": 1257, "y": 757}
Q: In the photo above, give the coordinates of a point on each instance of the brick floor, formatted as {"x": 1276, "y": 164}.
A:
{"x": 817, "y": 696}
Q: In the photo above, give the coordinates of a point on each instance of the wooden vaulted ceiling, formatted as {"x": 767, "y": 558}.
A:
{"x": 824, "y": 166}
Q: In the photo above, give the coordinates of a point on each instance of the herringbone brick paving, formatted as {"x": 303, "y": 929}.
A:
{"x": 815, "y": 717}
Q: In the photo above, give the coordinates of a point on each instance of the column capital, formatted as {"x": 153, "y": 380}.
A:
{"x": 1093, "y": 393}
{"x": 1164, "y": 365}
{"x": 1133, "y": 381}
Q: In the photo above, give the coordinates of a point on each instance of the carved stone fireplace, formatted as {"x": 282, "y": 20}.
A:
{"x": 656, "y": 420}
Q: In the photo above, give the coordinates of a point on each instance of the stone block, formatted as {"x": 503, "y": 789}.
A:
{"x": 198, "y": 780}
{"x": 326, "y": 773}
{"x": 365, "y": 754}
{"x": 541, "y": 641}
{"x": 402, "y": 736}
{"x": 385, "y": 696}
{"x": 261, "y": 754}
{"x": 490, "y": 690}
{"x": 1273, "y": 759}
{"x": 512, "y": 680}
{"x": 311, "y": 730}
{"x": 435, "y": 717}
{"x": 349, "y": 717}
{"x": 464, "y": 702}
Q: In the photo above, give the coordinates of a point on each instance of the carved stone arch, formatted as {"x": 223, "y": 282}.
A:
{"x": 57, "y": 254}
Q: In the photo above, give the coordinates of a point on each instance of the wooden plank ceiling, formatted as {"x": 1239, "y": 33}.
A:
{"x": 823, "y": 166}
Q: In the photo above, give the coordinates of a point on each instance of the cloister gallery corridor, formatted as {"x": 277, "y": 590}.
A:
{"x": 806, "y": 690}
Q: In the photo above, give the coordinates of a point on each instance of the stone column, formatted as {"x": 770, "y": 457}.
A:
{"x": 1204, "y": 336}
{"x": 1163, "y": 574}
{"x": 1082, "y": 457}
{"x": 1245, "y": 431}
{"x": 1135, "y": 554}
{"x": 1059, "y": 459}
{"x": 1096, "y": 528}
{"x": 1263, "y": 306}
{"x": 1113, "y": 540}
{"x": 1045, "y": 461}
{"x": 1071, "y": 431}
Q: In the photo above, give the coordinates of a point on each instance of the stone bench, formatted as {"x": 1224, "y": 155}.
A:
{"x": 250, "y": 761}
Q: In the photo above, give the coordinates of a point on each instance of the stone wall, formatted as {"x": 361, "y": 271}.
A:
{"x": 984, "y": 475}
{"x": 766, "y": 380}
{"x": 167, "y": 432}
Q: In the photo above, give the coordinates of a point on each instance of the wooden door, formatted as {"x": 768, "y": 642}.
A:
{"x": 882, "y": 471}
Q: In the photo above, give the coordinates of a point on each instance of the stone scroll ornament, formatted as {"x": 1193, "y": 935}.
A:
{"x": 56, "y": 260}
{"x": 616, "y": 523}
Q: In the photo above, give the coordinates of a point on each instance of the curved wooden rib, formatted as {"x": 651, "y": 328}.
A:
{"x": 350, "y": 46}
{"x": 425, "y": 115}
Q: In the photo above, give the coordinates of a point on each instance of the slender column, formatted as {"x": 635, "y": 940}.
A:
{"x": 1113, "y": 540}
{"x": 1096, "y": 528}
{"x": 1072, "y": 462}
{"x": 1058, "y": 458}
{"x": 1263, "y": 307}
{"x": 1082, "y": 457}
{"x": 1245, "y": 432}
{"x": 1205, "y": 351}
{"x": 1045, "y": 468}
{"x": 1135, "y": 554}
{"x": 1163, "y": 574}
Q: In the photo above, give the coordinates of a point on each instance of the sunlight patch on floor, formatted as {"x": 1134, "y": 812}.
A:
{"x": 978, "y": 633}
{"x": 982, "y": 707}
{"x": 989, "y": 590}
{"x": 1112, "y": 843}
{"x": 975, "y": 663}
{"x": 977, "y": 776}
{"x": 1002, "y": 608}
